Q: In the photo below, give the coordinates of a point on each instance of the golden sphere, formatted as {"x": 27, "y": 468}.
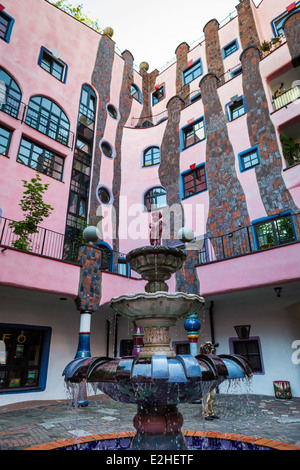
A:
{"x": 144, "y": 66}
{"x": 108, "y": 31}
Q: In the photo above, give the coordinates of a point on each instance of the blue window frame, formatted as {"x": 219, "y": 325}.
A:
{"x": 195, "y": 97}
{"x": 151, "y": 156}
{"x": 6, "y": 25}
{"x": 235, "y": 108}
{"x": 193, "y": 181}
{"x": 53, "y": 65}
{"x": 277, "y": 23}
{"x": 192, "y": 72}
{"x": 24, "y": 355}
{"x": 249, "y": 158}
{"x": 5, "y": 137}
{"x": 274, "y": 231}
{"x": 237, "y": 71}
{"x": 192, "y": 133}
{"x": 230, "y": 48}
{"x": 158, "y": 95}
{"x": 123, "y": 267}
{"x": 136, "y": 93}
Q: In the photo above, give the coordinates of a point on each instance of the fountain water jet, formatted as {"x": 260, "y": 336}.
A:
{"x": 158, "y": 379}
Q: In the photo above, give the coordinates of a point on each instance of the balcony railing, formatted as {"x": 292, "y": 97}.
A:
{"x": 287, "y": 97}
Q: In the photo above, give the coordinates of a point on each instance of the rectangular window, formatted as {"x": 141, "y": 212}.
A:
{"x": 41, "y": 159}
{"x": 53, "y": 65}
{"x": 5, "y": 137}
{"x": 236, "y": 109}
{"x": 123, "y": 267}
{"x": 23, "y": 357}
{"x": 274, "y": 232}
{"x": 249, "y": 349}
{"x": 194, "y": 181}
{"x": 193, "y": 133}
{"x": 6, "y": 24}
{"x": 230, "y": 49}
{"x": 158, "y": 95}
{"x": 249, "y": 159}
{"x": 192, "y": 72}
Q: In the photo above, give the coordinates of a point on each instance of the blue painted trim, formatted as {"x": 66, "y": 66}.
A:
{"x": 43, "y": 49}
{"x": 227, "y": 107}
{"x": 140, "y": 96}
{"x": 182, "y": 130}
{"x": 194, "y": 64}
{"x": 44, "y": 356}
{"x": 282, "y": 15}
{"x": 10, "y": 26}
{"x": 181, "y": 186}
{"x": 112, "y": 261}
{"x": 123, "y": 261}
{"x": 267, "y": 219}
{"x": 245, "y": 152}
{"x": 231, "y": 43}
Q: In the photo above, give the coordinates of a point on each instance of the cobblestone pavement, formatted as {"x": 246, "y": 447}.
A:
{"x": 31, "y": 423}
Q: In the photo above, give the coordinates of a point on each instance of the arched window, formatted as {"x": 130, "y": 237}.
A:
{"x": 47, "y": 117}
{"x": 107, "y": 257}
{"x": 155, "y": 198}
{"x": 151, "y": 156}
{"x": 10, "y": 94}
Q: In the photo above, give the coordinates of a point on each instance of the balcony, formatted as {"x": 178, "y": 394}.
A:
{"x": 286, "y": 97}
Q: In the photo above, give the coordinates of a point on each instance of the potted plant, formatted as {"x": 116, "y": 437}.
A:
{"x": 276, "y": 41}
{"x": 265, "y": 47}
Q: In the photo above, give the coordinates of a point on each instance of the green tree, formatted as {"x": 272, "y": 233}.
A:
{"x": 77, "y": 11}
{"x": 35, "y": 210}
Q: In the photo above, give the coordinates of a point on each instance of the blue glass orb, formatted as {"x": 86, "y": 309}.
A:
{"x": 192, "y": 324}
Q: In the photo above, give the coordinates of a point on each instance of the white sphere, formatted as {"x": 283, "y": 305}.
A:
{"x": 185, "y": 234}
{"x": 91, "y": 234}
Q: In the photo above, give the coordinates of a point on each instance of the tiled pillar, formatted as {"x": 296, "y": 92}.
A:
{"x": 147, "y": 88}
{"x": 214, "y": 58}
{"x": 181, "y": 64}
{"x": 247, "y": 28}
{"x": 291, "y": 29}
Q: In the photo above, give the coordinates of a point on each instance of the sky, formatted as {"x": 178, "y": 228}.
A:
{"x": 152, "y": 29}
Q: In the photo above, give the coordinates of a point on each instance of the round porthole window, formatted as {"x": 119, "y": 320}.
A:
{"x": 112, "y": 111}
{"x": 104, "y": 195}
{"x": 107, "y": 149}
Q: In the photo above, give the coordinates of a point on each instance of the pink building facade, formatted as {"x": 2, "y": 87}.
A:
{"x": 211, "y": 142}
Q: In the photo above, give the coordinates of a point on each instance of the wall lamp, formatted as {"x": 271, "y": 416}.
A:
{"x": 243, "y": 331}
{"x": 278, "y": 291}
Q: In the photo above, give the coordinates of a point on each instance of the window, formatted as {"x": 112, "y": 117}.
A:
{"x": 192, "y": 72}
{"x": 24, "y": 354}
{"x": 47, "y": 117}
{"x": 5, "y": 137}
{"x": 151, "y": 156}
{"x": 158, "y": 94}
{"x": 136, "y": 93}
{"x": 112, "y": 111}
{"x": 107, "y": 257}
{"x": 87, "y": 107}
{"x": 230, "y": 48}
{"x": 274, "y": 231}
{"x": 277, "y": 23}
{"x": 41, "y": 159}
{"x": 249, "y": 158}
{"x": 236, "y": 71}
{"x": 123, "y": 267}
{"x": 155, "y": 198}
{"x": 195, "y": 97}
{"x": 10, "y": 94}
{"x": 6, "y": 25}
{"x": 249, "y": 349}
{"x": 107, "y": 149}
{"x": 53, "y": 65}
{"x": 193, "y": 133}
{"x": 194, "y": 181}
{"x": 104, "y": 195}
{"x": 235, "y": 109}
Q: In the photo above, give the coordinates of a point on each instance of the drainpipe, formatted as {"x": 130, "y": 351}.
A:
{"x": 211, "y": 321}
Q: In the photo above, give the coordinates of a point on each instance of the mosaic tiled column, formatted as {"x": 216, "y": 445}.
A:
{"x": 181, "y": 64}
{"x": 247, "y": 28}
{"x": 227, "y": 203}
{"x": 147, "y": 87}
{"x": 214, "y": 58}
{"x": 291, "y": 29}
{"x": 89, "y": 295}
{"x": 275, "y": 196}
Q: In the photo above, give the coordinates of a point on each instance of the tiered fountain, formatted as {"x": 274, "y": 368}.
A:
{"x": 158, "y": 379}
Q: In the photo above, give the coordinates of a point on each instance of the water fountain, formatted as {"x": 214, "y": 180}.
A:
{"x": 157, "y": 380}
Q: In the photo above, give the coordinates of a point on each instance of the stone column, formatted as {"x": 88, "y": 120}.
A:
{"x": 214, "y": 58}
{"x": 147, "y": 88}
{"x": 227, "y": 203}
{"x": 291, "y": 29}
{"x": 247, "y": 27}
{"x": 275, "y": 196}
{"x": 182, "y": 63}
